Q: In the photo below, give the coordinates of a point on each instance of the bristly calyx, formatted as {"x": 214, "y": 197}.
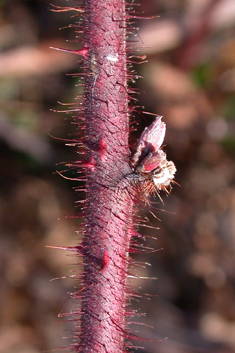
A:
{"x": 149, "y": 163}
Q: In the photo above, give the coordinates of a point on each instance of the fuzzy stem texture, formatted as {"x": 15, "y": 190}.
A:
{"x": 109, "y": 205}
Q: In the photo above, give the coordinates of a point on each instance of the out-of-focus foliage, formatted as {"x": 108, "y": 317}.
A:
{"x": 190, "y": 80}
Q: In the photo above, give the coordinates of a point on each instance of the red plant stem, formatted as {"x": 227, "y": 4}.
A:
{"x": 109, "y": 204}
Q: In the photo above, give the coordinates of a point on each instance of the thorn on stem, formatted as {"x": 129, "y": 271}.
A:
{"x": 82, "y": 52}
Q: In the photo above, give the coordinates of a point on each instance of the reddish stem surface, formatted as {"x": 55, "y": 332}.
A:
{"x": 109, "y": 204}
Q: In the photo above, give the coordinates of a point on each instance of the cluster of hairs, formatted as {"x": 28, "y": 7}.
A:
{"x": 115, "y": 182}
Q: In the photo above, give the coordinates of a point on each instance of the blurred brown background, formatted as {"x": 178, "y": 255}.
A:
{"x": 190, "y": 79}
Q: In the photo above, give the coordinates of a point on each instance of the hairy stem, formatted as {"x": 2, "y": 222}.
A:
{"x": 109, "y": 205}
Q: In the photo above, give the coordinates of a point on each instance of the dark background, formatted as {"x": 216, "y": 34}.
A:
{"x": 190, "y": 80}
